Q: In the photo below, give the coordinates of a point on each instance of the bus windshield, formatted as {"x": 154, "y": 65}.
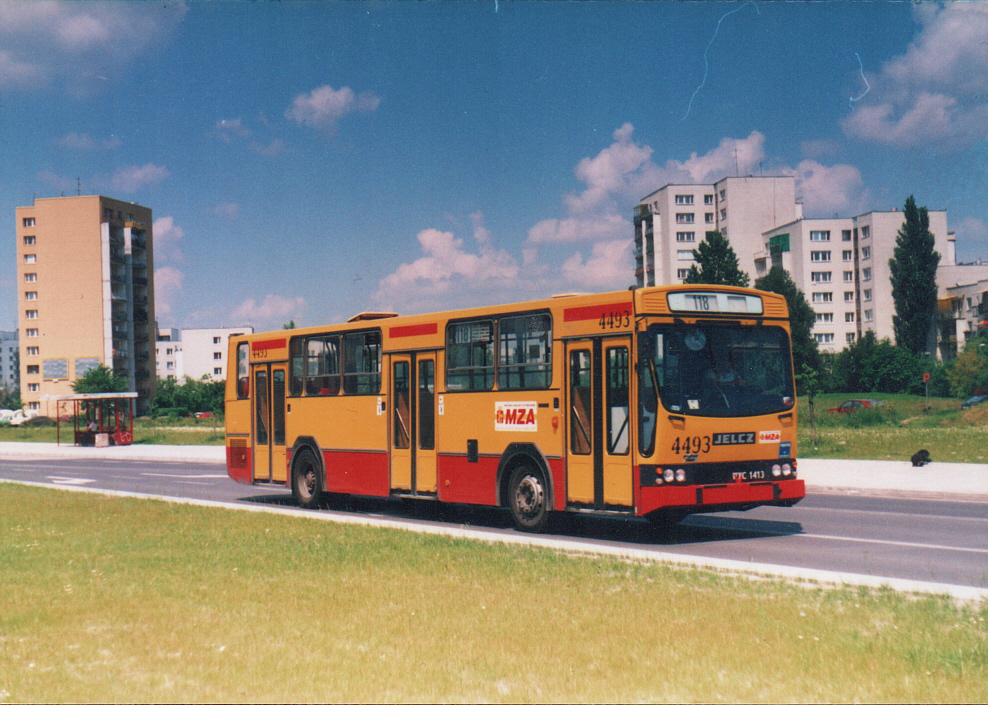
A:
{"x": 714, "y": 370}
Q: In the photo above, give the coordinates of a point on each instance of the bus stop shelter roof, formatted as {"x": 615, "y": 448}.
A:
{"x": 93, "y": 396}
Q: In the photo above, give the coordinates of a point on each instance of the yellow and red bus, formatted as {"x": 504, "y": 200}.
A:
{"x": 656, "y": 402}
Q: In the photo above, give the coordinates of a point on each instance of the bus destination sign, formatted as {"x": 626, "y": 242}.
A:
{"x": 715, "y": 302}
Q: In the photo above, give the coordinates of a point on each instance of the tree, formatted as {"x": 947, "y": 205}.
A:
{"x": 801, "y": 318}
{"x": 872, "y": 365}
{"x": 716, "y": 263}
{"x": 914, "y": 282}
{"x": 99, "y": 380}
{"x": 969, "y": 373}
{"x": 289, "y": 326}
{"x": 10, "y": 398}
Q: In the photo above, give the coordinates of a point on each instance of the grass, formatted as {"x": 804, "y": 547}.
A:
{"x": 147, "y": 431}
{"x": 906, "y": 425}
{"x": 109, "y": 599}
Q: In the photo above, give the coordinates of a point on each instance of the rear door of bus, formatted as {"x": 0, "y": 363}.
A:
{"x": 412, "y": 432}
{"x": 269, "y": 422}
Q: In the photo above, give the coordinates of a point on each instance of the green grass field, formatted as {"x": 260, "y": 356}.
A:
{"x": 109, "y": 599}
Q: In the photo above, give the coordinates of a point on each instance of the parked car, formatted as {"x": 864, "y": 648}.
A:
{"x": 203, "y": 414}
{"x": 856, "y": 404}
{"x": 973, "y": 401}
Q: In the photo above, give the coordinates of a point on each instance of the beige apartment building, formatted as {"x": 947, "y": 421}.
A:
{"x": 85, "y": 289}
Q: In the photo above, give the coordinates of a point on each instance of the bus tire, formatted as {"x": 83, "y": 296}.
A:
{"x": 306, "y": 481}
{"x": 528, "y": 498}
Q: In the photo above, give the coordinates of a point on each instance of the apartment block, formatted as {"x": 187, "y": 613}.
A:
{"x": 672, "y": 221}
{"x": 10, "y": 369}
{"x": 86, "y": 295}
{"x": 195, "y": 352}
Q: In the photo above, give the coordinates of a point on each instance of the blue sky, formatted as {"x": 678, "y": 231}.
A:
{"x": 308, "y": 161}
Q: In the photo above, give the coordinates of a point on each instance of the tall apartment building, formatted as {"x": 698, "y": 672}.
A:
{"x": 10, "y": 370}
{"x": 195, "y": 352}
{"x": 671, "y": 222}
{"x": 86, "y": 295}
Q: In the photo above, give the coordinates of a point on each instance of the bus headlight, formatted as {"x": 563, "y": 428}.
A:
{"x": 680, "y": 475}
{"x": 776, "y": 470}
{"x": 786, "y": 469}
{"x": 668, "y": 475}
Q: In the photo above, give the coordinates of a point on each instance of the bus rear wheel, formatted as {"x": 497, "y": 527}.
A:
{"x": 528, "y": 499}
{"x": 306, "y": 484}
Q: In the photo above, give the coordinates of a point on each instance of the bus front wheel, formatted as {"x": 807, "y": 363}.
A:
{"x": 306, "y": 485}
{"x": 528, "y": 498}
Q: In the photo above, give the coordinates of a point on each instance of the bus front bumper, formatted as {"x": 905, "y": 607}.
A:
{"x": 727, "y": 497}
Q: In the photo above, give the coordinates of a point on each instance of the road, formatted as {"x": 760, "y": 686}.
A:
{"x": 933, "y": 541}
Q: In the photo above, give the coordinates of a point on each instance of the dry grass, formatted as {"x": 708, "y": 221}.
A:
{"x": 120, "y": 600}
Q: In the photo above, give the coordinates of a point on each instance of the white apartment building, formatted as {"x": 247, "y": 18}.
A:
{"x": 671, "y": 222}
{"x": 195, "y": 352}
{"x": 840, "y": 264}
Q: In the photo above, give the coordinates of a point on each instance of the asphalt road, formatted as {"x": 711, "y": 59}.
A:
{"x": 932, "y": 541}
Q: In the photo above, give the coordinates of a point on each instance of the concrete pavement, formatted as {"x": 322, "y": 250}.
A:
{"x": 966, "y": 481}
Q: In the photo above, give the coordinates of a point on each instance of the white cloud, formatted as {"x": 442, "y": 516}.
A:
{"x": 229, "y": 210}
{"x": 167, "y": 240}
{"x": 133, "y": 178}
{"x": 933, "y": 94}
{"x": 167, "y": 289}
{"x": 828, "y": 189}
{"x": 579, "y": 229}
{"x": 78, "y": 45}
{"x": 324, "y": 106}
{"x": 608, "y": 268}
{"x": 228, "y": 130}
{"x": 273, "y": 310}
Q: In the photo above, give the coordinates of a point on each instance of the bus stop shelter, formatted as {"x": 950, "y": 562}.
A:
{"x": 100, "y": 420}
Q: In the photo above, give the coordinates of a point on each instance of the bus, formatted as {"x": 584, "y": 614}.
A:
{"x": 656, "y": 402}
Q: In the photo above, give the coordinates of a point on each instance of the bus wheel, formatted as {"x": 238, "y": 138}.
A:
{"x": 306, "y": 486}
{"x": 528, "y": 497}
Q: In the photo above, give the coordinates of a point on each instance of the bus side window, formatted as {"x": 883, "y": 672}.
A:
{"x": 362, "y": 363}
{"x": 243, "y": 370}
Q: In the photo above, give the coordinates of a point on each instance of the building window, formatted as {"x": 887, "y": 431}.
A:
{"x": 688, "y": 236}
{"x": 30, "y": 277}
{"x": 866, "y": 274}
{"x": 30, "y": 296}
{"x": 708, "y": 199}
{"x": 868, "y": 315}
{"x": 820, "y": 256}
{"x": 30, "y": 240}
{"x": 684, "y": 217}
{"x": 723, "y": 214}
{"x": 28, "y": 222}
{"x": 217, "y": 356}
{"x": 682, "y": 273}
{"x": 848, "y": 277}
{"x": 847, "y": 255}
{"x": 684, "y": 200}
{"x": 819, "y": 277}
{"x": 708, "y": 217}
{"x": 723, "y": 194}
{"x": 845, "y": 235}
{"x": 216, "y": 340}
{"x": 823, "y": 297}
{"x": 34, "y": 405}
{"x": 33, "y": 387}
{"x": 170, "y": 365}
{"x": 31, "y": 332}
{"x": 685, "y": 255}
{"x": 848, "y": 296}
{"x": 33, "y": 350}
{"x": 819, "y": 236}
{"x": 867, "y": 294}
{"x": 849, "y": 317}
{"x": 31, "y": 313}
{"x": 865, "y": 253}
{"x": 218, "y": 371}
{"x": 34, "y": 369}
{"x": 30, "y": 259}
{"x": 823, "y": 338}
{"x": 825, "y": 317}
{"x": 865, "y": 232}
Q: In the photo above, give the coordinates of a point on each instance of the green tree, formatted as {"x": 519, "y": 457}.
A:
{"x": 100, "y": 380}
{"x": 716, "y": 263}
{"x": 187, "y": 398}
{"x": 914, "y": 282}
{"x": 10, "y": 399}
{"x": 872, "y": 365}
{"x": 289, "y": 326}
{"x": 969, "y": 373}
{"x": 801, "y": 319}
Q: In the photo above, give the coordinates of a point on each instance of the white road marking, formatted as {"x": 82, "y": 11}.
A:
{"x": 885, "y": 542}
{"x": 184, "y": 477}
{"x": 70, "y": 480}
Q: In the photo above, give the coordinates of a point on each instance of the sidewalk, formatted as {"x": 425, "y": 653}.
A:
{"x": 893, "y": 478}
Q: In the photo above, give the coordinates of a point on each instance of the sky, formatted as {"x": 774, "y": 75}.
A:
{"x": 307, "y": 161}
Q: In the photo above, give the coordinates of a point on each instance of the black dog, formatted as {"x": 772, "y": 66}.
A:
{"x": 921, "y": 458}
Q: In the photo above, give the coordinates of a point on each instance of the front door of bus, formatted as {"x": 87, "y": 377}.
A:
{"x": 269, "y": 423}
{"x": 598, "y": 424}
{"x": 413, "y": 423}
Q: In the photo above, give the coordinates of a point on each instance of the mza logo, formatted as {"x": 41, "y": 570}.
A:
{"x": 769, "y": 436}
{"x": 516, "y": 416}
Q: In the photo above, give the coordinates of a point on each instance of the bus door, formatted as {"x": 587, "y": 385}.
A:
{"x": 269, "y": 423}
{"x": 413, "y": 423}
{"x": 598, "y": 423}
